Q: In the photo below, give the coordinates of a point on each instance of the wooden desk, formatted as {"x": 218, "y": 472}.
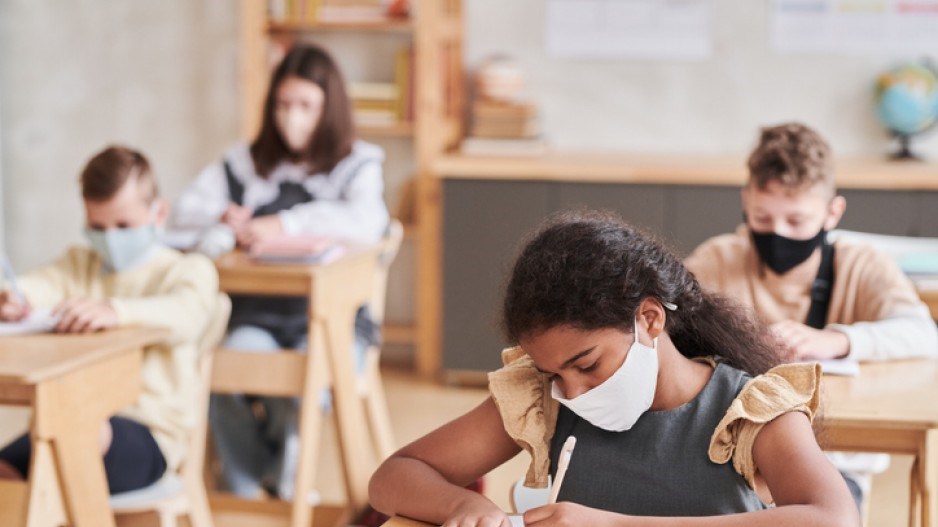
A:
{"x": 890, "y": 407}
{"x": 335, "y": 293}
{"x": 73, "y": 384}
{"x": 929, "y": 295}
{"x": 397, "y": 521}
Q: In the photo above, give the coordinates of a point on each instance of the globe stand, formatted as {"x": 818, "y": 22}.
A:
{"x": 905, "y": 149}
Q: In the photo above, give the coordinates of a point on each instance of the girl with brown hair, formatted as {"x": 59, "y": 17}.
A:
{"x": 304, "y": 174}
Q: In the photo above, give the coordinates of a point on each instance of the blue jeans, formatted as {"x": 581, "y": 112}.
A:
{"x": 256, "y": 437}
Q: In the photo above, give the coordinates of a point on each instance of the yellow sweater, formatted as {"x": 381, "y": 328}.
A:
{"x": 872, "y": 301}
{"x": 169, "y": 289}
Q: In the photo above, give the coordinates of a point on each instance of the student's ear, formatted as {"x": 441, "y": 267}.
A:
{"x": 651, "y": 317}
{"x": 160, "y": 212}
{"x": 835, "y": 211}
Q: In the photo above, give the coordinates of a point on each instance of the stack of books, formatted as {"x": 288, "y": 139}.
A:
{"x": 504, "y": 119}
{"x": 378, "y": 104}
{"x": 374, "y": 103}
{"x": 504, "y": 128}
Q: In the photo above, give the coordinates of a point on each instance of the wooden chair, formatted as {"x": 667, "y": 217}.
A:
{"x": 370, "y": 385}
{"x": 182, "y": 493}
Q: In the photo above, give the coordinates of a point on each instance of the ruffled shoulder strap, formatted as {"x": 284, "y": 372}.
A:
{"x": 529, "y": 413}
{"x": 783, "y": 389}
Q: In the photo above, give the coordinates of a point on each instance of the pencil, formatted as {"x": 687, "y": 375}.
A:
{"x": 566, "y": 452}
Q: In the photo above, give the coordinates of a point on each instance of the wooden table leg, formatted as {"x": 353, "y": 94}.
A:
{"x": 349, "y": 412}
{"x": 69, "y": 413}
{"x": 309, "y": 427}
{"x": 928, "y": 479}
{"x": 915, "y": 496}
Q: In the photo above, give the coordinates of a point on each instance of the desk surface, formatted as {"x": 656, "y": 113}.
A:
{"x": 28, "y": 359}
{"x": 896, "y": 394}
{"x": 239, "y": 273}
{"x": 673, "y": 169}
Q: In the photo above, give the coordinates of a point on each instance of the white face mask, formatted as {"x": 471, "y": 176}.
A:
{"x": 616, "y": 404}
{"x": 122, "y": 249}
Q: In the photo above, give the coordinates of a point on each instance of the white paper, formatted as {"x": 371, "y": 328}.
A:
{"x": 855, "y": 27}
{"x": 641, "y": 29}
{"x": 844, "y": 367}
{"x": 516, "y": 520}
{"x": 38, "y": 321}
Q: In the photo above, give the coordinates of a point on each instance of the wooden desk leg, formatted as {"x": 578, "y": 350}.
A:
{"x": 915, "y": 496}
{"x": 349, "y": 411}
{"x": 928, "y": 477}
{"x": 46, "y": 508}
{"x": 310, "y": 427}
{"x": 69, "y": 412}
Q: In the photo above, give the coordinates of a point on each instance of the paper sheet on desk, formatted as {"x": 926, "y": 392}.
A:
{"x": 38, "y": 321}
{"x": 844, "y": 367}
{"x": 298, "y": 249}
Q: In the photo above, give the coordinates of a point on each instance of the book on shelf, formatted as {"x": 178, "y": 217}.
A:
{"x": 502, "y": 119}
{"x": 484, "y": 146}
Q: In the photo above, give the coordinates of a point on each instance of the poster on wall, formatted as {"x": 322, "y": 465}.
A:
{"x": 855, "y": 27}
{"x": 633, "y": 29}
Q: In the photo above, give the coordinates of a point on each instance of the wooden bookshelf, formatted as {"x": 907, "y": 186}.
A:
{"x": 436, "y": 30}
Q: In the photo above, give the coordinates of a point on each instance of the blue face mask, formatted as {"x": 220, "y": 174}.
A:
{"x": 121, "y": 249}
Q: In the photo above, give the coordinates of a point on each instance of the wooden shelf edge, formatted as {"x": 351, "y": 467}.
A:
{"x": 380, "y": 26}
{"x": 402, "y": 129}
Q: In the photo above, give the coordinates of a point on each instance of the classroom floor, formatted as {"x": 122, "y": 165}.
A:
{"x": 418, "y": 406}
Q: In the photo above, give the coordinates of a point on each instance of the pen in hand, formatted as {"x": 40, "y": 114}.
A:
{"x": 563, "y": 461}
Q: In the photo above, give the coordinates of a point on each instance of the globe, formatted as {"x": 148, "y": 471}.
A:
{"x": 907, "y": 103}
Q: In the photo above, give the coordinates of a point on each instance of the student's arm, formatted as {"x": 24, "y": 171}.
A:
{"x": 900, "y": 325}
{"x": 706, "y": 264}
{"x": 807, "y": 489}
{"x": 203, "y": 202}
{"x": 49, "y": 285}
{"x": 184, "y": 308}
{"x": 425, "y": 480}
{"x": 361, "y": 216}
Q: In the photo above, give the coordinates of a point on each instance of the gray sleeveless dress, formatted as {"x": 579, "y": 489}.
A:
{"x": 660, "y": 467}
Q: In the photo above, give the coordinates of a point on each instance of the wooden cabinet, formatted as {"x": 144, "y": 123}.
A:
{"x": 485, "y": 216}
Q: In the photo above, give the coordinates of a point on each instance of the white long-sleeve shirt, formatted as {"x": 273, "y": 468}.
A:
{"x": 348, "y": 202}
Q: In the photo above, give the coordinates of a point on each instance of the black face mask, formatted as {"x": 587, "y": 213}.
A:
{"x": 782, "y": 254}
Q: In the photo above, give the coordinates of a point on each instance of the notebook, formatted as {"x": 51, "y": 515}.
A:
{"x": 38, "y": 321}
{"x": 297, "y": 250}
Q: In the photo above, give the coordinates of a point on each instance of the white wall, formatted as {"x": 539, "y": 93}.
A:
{"x": 76, "y": 76}
{"x": 712, "y": 106}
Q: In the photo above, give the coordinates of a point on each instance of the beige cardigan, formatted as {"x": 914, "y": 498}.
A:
{"x": 529, "y": 413}
{"x": 170, "y": 290}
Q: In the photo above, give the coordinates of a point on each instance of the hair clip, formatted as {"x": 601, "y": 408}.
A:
{"x": 669, "y": 306}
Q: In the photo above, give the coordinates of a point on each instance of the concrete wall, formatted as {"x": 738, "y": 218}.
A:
{"x": 76, "y": 76}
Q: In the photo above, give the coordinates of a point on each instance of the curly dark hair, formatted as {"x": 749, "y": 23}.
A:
{"x": 591, "y": 270}
{"x": 792, "y": 154}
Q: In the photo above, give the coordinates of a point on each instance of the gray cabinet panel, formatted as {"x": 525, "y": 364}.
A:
{"x": 641, "y": 205}
{"x": 880, "y": 212}
{"x": 483, "y": 224}
{"x": 928, "y": 214}
{"x": 694, "y": 214}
